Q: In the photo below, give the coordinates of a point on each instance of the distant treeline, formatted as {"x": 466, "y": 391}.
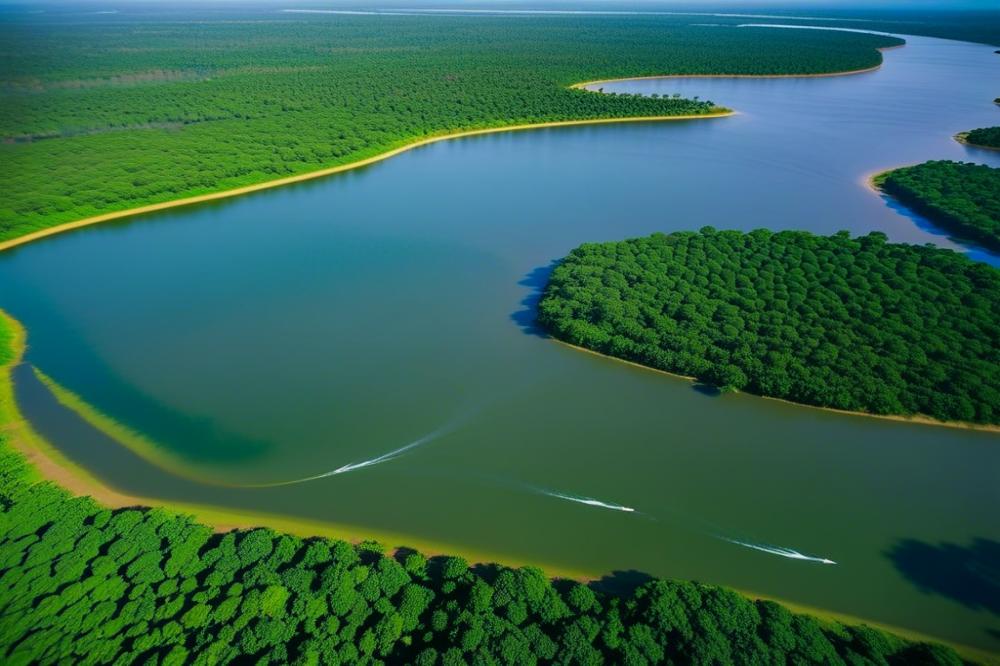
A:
{"x": 106, "y": 113}
{"x": 850, "y": 323}
{"x": 962, "y": 198}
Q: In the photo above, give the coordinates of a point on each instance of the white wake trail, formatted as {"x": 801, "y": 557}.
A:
{"x": 589, "y": 501}
{"x": 778, "y": 550}
{"x": 350, "y": 467}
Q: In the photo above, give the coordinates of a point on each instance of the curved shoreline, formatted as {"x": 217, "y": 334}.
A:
{"x": 963, "y": 138}
{"x": 821, "y": 75}
{"x": 915, "y": 420}
{"x": 722, "y": 112}
{"x": 48, "y": 464}
{"x": 329, "y": 171}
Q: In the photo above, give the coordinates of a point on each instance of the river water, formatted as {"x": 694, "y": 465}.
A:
{"x": 297, "y": 331}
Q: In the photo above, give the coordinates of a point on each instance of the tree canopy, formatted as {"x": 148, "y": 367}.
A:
{"x": 984, "y": 136}
{"x": 961, "y": 197}
{"x": 104, "y": 113}
{"x": 850, "y": 323}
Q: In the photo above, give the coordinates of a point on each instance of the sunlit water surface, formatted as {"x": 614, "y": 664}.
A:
{"x": 294, "y": 332}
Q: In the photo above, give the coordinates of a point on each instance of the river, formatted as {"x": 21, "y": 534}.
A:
{"x": 309, "y": 329}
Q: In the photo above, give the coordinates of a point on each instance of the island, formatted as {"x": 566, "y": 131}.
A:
{"x": 856, "y": 324}
{"x": 984, "y": 137}
{"x": 961, "y": 197}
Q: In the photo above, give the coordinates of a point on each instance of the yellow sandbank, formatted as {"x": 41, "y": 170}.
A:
{"x": 280, "y": 182}
{"x": 963, "y": 138}
{"x": 50, "y": 464}
{"x": 225, "y": 194}
{"x": 821, "y": 75}
{"x": 917, "y": 419}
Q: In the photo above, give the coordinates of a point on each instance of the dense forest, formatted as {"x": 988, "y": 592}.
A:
{"x": 81, "y": 583}
{"x": 103, "y": 113}
{"x": 988, "y": 137}
{"x": 851, "y": 323}
{"x": 962, "y": 198}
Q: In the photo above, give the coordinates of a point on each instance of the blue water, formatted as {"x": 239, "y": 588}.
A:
{"x": 293, "y": 332}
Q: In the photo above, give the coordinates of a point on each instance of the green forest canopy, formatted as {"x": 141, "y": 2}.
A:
{"x": 81, "y": 583}
{"x": 849, "y": 323}
{"x": 984, "y": 136}
{"x": 961, "y": 197}
{"x": 106, "y": 113}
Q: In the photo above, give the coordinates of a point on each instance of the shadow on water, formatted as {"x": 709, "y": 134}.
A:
{"x": 973, "y": 250}
{"x": 969, "y": 574}
{"x": 707, "y": 389}
{"x": 68, "y": 431}
{"x": 621, "y": 583}
{"x": 527, "y": 317}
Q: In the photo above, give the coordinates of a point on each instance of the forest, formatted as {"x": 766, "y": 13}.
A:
{"x": 82, "y": 583}
{"x": 961, "y": 197}
{"x": 850, "y": 323}
{"x": 988, "y": 137}
{"x": 99, "y": 114}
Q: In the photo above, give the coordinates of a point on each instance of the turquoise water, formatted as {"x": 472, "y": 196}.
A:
{"x": 294, "y": 332}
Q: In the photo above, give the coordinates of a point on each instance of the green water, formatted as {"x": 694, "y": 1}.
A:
{"x": 294, "y": 332}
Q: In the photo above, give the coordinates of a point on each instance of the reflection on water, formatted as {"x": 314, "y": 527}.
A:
{"x": 322, "y": 326}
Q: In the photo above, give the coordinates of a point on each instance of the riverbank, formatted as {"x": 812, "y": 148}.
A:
{"x": 963, "y": 138}
{"x": 321, "y": 173}
{"x": 918, "y": 420}
{"x": 850, "y": 72}
{"x": 49, "y": 464}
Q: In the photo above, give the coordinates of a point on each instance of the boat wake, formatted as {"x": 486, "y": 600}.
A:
{"x": 446, "y": 429}
{"x": 777, "y": 550}
{"x": 589, "y": 501}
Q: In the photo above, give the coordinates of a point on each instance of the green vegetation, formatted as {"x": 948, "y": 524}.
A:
{"x": 81, "y": 583}
{"x": 857, "y": 324}
{"x": 987, "y": 137}
{"x": 102, "y": 113}
{"x": 963, "y": 198}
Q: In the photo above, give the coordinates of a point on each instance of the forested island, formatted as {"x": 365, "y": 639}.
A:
{"x": 100, "y": 115}
{"x": 984, "y": 137}
{"x": 857, "y": 324}
{"x": 963, "y": 198}
{"x": 84, "y": 583}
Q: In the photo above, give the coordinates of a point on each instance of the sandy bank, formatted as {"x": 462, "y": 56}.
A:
{"x": 821, "y": 75}
{"x": 917, "y": 419}
{"x": 963, "y": 138}
{"x": 280, "y": 182}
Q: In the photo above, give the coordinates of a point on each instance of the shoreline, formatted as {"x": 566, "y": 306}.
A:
{"x": 47, "y": 464}
{"x": 915, "y": 420}
{"x": 722, "y": 112}
{"x": 963, "y": 138}
{"x": 821, "y": 75}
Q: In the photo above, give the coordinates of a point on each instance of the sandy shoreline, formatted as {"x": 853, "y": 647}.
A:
{"x": 822, "y": 75}
{"x": 329, "y": 171}
{"x": 311, "y": 175}
{"x": 50, "y": 465}
{"x": 921, "y": 420}
{"x": 963, "y": 138}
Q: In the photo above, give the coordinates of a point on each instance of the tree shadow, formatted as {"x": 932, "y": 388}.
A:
{"x": 621, "y": 583}
{"x": 976, "y": 250}
{"x": 527, "y": 317}
{"x": 969, "y": 575}
{"x": 707, "y": 389}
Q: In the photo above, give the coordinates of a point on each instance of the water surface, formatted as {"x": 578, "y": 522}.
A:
{"x": 292, "y": 332}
